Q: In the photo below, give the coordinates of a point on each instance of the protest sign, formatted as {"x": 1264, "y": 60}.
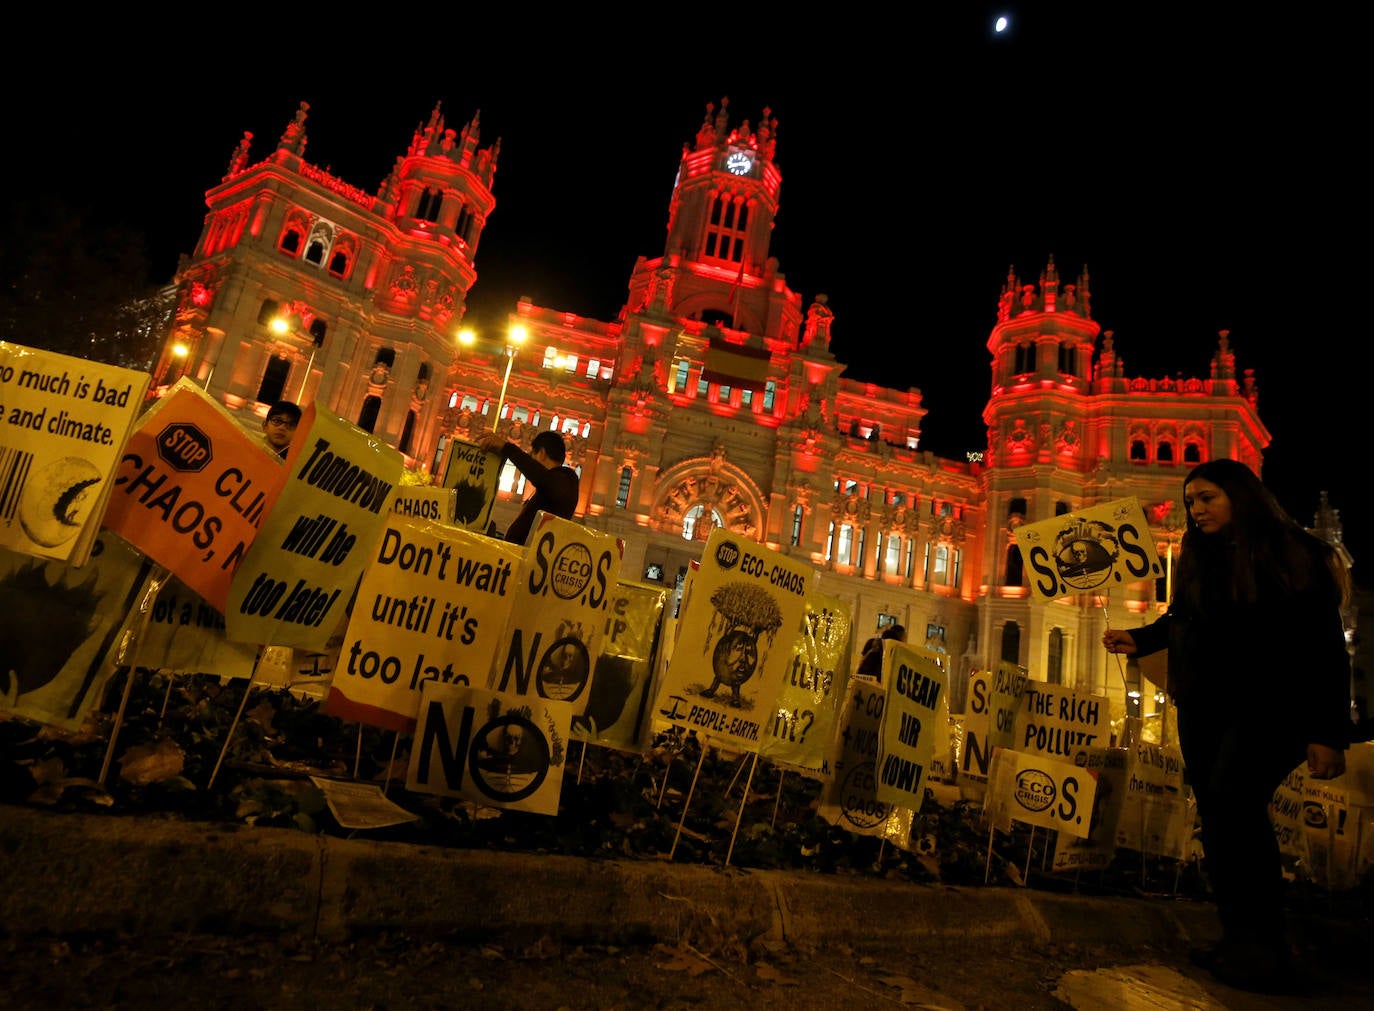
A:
{"x": 616, "y": 714}
{"x": 185, "y": 635}
{"x": 1059, "y": 722}
{"x": 1094, "y": 851}
{"x": 850, "y": 799}
{"x": 975, "y": 752}
{"x": 490, "y": 747}
{"x": 743, "y": 596}
{"x": 1285, "y": 814}
{"x": 557, "y": 621}
{"x": 1331, "y": 832}
{"x": 1089, "y": 550}
{"x": 58, "y": 627}
{"x": 801, "y": 734}
{"x": 917, "y": 687}
{"x": 1152, "y": 815}
{"x": 299, "y": 574}
{"x": 431, "y": 605}
{"x": 471, "y": 473}
{"x": 1039, "y": 791}
{"x": 423, "y": 502}
{"x": 191, "y": 490}
{"x": 63, "y": 423}
{"x": 1004, "y": 699}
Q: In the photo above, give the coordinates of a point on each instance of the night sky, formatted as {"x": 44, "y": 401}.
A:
{"x": 1203, "y": 165}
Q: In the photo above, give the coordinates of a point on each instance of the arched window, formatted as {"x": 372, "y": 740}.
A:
{"x": 267, "y": 312}
{"x": 1138, "y": 450}
{"x": 1011, "y": 642}
{"x": 698, "y": 522}
{"x": 1068, "y": 359}
{"x": 291, "y": 241}
{"x": 407, "y": 431}
{"x": 1192, "y": 453}
{"x": 338, "y": 264}
{"x": 428, "y": 207}
{"x": 274, "y": 380}
{"x": 367, "y": 417}
{"x": 1016, "y": 574}
{"x": 318, "y": 328}
{"x": 314, "y": 253}
{"x": 1164, "y": 453}
{"x": 1054, "y": 657}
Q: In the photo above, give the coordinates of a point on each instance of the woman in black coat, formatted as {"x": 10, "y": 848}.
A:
{"x": 1259, "y": 671}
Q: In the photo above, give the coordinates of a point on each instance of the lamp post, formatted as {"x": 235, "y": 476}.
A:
{"x": 281, "y": 325}
{"x": 179, "y": 352}
{"x": 515, "y": 336}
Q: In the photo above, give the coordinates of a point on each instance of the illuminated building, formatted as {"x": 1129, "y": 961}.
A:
{"x": 713, "y": 399}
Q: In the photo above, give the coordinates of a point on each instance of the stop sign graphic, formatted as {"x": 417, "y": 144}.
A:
{"x": 184, "y": 447}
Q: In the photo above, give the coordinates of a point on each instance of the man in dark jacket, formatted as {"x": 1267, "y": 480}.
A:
{"x": 556, "y": 487}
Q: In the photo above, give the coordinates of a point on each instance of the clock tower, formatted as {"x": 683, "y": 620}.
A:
{"x": 725, "y": 198}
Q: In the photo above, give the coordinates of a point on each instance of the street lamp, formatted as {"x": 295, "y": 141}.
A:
{"x": 515, "y": 336}
{"x": 179, "y": 352}
{"x": 282, "y": 326}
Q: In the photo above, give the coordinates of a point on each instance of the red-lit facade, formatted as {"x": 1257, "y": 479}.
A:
{"x": 805, "y": 461}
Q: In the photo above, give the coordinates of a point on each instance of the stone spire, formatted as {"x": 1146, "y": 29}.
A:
{"x": 293, "y": 137}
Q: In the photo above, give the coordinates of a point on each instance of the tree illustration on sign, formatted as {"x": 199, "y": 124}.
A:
{"x": 743, "y": 613}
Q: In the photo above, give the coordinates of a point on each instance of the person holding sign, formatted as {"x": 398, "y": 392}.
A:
{"x": 1260, "y": 674}
{"x": 556, "y": 487}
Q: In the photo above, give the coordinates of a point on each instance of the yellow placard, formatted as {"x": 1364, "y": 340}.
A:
{"x": 63, "y": 423}
{"x": 423, "y": 502}
{"x": 489, "y": 747}
{"x": 726, "y": 670}
{"x": 471, "y": 473}
{"x": 1089, "y": 551}
{"x": 915, "y": 714}
{"x": 557, "y": 623}
{"x": 185, "y": 635}
{"x": 616, "y": 712}
{"x": 850, "y": 800}
{"x": 431, "y": 606}
{"x": 1039, "y": 791}
{"x": 299, "y": 574}
{"x": 801, "y": 733}
{"x": 1059, "y": 722}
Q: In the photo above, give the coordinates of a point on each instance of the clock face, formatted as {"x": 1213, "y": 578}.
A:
{"x": 739, "y": 162}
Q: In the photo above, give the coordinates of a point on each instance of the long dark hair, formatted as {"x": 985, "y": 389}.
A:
{"x": 1262, "y": 551}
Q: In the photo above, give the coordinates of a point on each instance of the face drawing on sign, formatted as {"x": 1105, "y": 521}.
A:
{"x": 743, "y": 613}
{"x": 511, "y": 757}
{"x": 565, "y": 665}
{"x": 1085, "y": 553}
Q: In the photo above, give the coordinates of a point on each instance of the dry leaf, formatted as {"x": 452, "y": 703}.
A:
{"x": 681, "y": 960}
{"x": 152, "y": 763}
{"x": 767, "y": 972}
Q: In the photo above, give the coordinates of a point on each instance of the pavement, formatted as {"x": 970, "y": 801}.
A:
{"x": 65, "y": 873}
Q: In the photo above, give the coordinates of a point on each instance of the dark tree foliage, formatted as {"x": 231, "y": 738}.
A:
{"x": 70, "y": 284}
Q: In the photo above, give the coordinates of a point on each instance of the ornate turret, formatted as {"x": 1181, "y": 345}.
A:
{"x": 293, "y": 137}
